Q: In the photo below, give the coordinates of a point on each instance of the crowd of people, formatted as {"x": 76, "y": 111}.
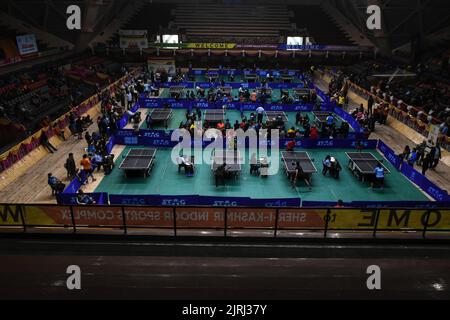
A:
{"x": 96, "y": 156}
{"x": 424, "y": 94}
{"x": 426, "y": 155}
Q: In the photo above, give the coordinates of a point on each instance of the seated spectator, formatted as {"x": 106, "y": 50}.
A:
{"x": 56, "y": 184}
{"x": 84, "y": 199}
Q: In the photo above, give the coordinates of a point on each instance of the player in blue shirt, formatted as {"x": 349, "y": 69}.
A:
{"x": 379, "y": 176}
{"x": 412, "y": 157}
{"x": 330, "y": 120}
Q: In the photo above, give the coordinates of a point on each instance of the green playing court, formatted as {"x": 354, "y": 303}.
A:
{"x": 165, "y": 180}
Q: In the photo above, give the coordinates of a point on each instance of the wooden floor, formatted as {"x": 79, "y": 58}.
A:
{"x": 31, "y": 186}
{"x": 397, "y": 135}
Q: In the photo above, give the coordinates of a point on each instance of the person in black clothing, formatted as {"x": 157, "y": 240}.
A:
{"x": 336, "y": 168}
{"x": 70, "y": 167}
{"x": 299, "y": 174}
{"x": 307, "y": 128}
{"x": 298, "y": 118}
{"x": 370, "y": 103}
{"x": 427, "y": 163}
{"x": 46, "y": 144}
{"x": 79, "y": 128}
{"x": 345, "y": 128}
{"x": 220, "y": 175}
{"x": 88, "y": 138}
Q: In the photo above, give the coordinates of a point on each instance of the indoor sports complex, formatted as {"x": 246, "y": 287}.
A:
{"x": 147, "y": 193}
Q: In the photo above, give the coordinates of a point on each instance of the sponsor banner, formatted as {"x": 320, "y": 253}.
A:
{"x": 389, "y": 219}
{"x": 149, "y": 216}
{"x": 70, "y": 198}
{"x": 251, "y": 218}
{"x": 434, "y": 219}
{"x": 233, "y": 85}
{"x": 318, "y": 47}
{"x": 200, "y": 217}
{"x": 27, "y": 44}
{"x": 257, "y": 46}
{"x": 148, "y": 139}
{"x": 187, "y": 85}
{"x": 301, "y": 218}
{"x": 223, "y": 46}
{"x": 426, "y": 185}
{"x": 11, "y": 215}
{"x": 202, "y": 104}
{"x": 326, "y": 144}
{"x": 196, "y": 200}
{"x": 203, "y": 217}
{"x": 132, "y": 39}
{"x": 352, "y": 219}
{"x": 389, "y": 154}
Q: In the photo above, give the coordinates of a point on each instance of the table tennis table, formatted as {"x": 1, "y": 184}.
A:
{"x": 363, "y": 164}
{"x": 232, "y": 160}
{"x": 251, "y": 77}
{"x": 214, "y": 116}
{"x": 290, "y": 159}
{"x": 138, "y": 162}
{"x": 226, "y": 90}
{"x": 163, "y": 115}
{"x": 176, "y": 90}
{"x": 286, "y": 78}
{"x": 272, "y": 116}
{"x": 260, "y": 90}
{"x": 302, "y": 92}
{"x": 320, "y": 118}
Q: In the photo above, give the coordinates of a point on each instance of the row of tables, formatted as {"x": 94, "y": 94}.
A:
{"x": 214, "y": 116}
{"x": 299, "y": 92}
{"x": 139, "y": 162}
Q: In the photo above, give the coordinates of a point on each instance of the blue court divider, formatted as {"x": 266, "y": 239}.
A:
{"x": 124, "y": 121}
{"x": 413, "y": 175}
{"x": 230, "y": 105}
{"x": 150, "y": 138}
{"x": 71, "y": 198}
{"x": 236, "y": 72}
{"x": 196, "y": 200}
{"x": 110, "y": 145}
{"x": 378, "y": 204}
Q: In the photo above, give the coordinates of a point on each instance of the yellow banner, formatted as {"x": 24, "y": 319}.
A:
{"x": 222, "y": 46}
{"x": 390, "y": 219}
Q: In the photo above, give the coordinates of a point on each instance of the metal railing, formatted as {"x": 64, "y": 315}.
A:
{"x": 226, "y": 221}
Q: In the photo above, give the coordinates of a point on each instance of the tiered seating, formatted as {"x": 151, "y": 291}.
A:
{"x": 224, "y": 21}
{"x": 153, "y": 17}
{"x": 319, "y": 25}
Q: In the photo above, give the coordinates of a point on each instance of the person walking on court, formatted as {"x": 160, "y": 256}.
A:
{"x": 260, "y": 111}
{"x": 149, "y": 121}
